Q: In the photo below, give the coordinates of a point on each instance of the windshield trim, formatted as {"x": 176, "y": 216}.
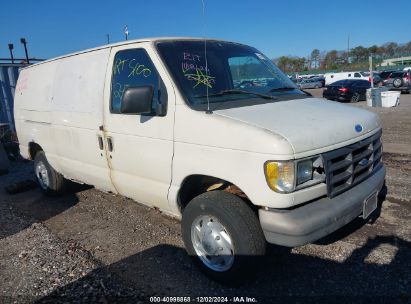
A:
{"x": 239, "y": 102}
{"x": 245, "y": 102}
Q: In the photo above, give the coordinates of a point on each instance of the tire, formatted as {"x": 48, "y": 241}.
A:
{"x": 397, "y": 82}
{"x": 235, "y": 230}
{"x": 355, "y": 97}
{"x": 50, "y": 181}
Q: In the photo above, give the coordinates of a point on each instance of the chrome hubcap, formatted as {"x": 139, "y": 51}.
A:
{"x": 212, "y": 243}
{"x": 41, "y": 174}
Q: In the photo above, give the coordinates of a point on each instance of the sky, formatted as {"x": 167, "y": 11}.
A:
{"x": 277, "y": 28}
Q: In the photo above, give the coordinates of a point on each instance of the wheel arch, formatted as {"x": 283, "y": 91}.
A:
{"x": 33, "y": 149}
{"x": 196, "y": 184}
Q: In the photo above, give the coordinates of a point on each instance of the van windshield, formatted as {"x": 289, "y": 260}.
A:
{"x": 233, "y": 75}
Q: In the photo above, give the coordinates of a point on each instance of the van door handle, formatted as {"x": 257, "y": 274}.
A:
{"x": 110, "y": 144}
{"x": 100, "y": 142}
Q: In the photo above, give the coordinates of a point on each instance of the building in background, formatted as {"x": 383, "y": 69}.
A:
{"x": 8, "y": 78}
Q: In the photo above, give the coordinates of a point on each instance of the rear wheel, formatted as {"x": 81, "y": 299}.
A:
{"x": 50, "y": 181}
{"x": 397, "y": 82}
{"x": 355, "y": 97}
{"x": 223, "y": 236}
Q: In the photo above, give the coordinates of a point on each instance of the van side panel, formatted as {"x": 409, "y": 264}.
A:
{"x": 59, "y": 105}
{"x": 77, "y": 114}
{"x": 32, "y": 105}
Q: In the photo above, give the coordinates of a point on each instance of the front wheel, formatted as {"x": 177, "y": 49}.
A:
{"x": 223, "y": 236}
{"x": 50, "y": 181}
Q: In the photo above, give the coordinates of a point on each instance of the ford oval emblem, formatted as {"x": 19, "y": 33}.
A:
{"x": 358, "y": 128}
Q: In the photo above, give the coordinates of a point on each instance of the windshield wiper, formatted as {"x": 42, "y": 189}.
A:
{"x": 282, "y": 89}
{"x": 235, "y": 91}
{"x": 289, "y": 89}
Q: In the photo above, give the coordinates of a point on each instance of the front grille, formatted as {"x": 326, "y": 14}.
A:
{"x": 350, "y": 165}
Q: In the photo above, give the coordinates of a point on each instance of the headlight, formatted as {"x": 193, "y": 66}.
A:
{"x": 280, "y": 175}
{"x": 287, "y": 176}
{"x": 304, "y": 171}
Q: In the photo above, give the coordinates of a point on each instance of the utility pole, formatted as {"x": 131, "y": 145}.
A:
{"x": 108, "y": 38}
{"x": 371, "y": 73}
{"x": 348, "y": 49}
{"x": 11, "y": 46}
{"x": 24, "y": 42}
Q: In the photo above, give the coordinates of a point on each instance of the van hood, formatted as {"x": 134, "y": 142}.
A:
{"x": 308, "y": 124}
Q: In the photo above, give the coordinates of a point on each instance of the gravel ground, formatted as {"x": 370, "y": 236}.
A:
{"x": 90, "y": 246}
{"x": 37, "y": 265}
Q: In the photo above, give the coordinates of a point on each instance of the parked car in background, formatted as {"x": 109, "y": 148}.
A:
{"x": 311, "y": 83}
{"x": 293, "y": 79}
{"x": 407, "y": 68}
{"x": 378, "y": 82}
{"x": 399, "y": 81}
{"x": 321, "y": 79}
{"x": 347, "y": 90}
{"x": 385, "y": 75}
{"x": 333, "y": 77}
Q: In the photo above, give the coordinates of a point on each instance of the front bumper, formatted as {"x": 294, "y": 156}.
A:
{"x": 319, "y": 218}
{"x": 403, "y": 89}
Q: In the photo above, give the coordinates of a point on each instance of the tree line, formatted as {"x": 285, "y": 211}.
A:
{"x": 356, "y": 58}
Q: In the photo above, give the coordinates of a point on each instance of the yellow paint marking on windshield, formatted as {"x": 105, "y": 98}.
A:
{"x": 200, "y": 78}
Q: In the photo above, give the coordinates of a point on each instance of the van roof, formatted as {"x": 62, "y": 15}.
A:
{"x": 153, "y": 39}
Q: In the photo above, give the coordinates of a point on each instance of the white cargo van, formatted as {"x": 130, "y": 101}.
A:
{"x": 221, "y": 138}
{"x": 333, "y": 77}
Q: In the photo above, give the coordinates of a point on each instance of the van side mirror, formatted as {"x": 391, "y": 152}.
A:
{"x": 137, "y": 100}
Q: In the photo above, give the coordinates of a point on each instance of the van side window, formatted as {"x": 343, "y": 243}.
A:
{"x": 357, "y": 75}
{"x": 132, "y": 68}
{"x": 349, "y": 75}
